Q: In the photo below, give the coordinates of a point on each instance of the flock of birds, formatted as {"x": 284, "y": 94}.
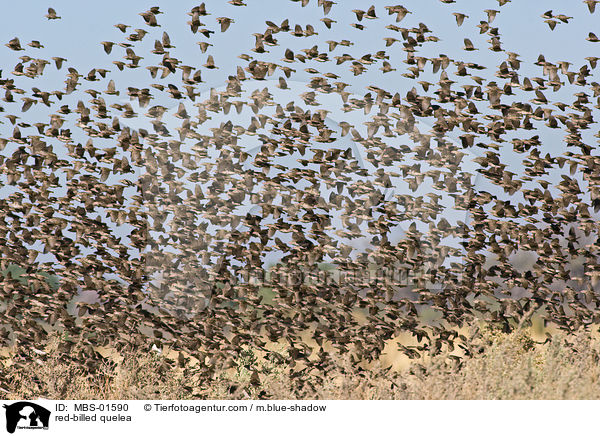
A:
{"x": 206, "y": 305}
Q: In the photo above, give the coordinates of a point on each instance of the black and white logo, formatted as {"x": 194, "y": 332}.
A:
{"x": 26, "y": 415}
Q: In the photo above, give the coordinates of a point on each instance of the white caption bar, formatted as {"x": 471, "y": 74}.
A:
{"x": 45, "y": 417}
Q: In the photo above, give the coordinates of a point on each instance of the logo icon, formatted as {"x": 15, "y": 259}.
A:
{"x": 26, "y": 415}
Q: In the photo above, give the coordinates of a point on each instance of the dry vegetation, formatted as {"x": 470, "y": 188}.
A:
{"x": 516, "y": 365}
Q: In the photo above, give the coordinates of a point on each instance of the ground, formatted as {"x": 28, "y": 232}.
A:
{"x": 517, "y": 365}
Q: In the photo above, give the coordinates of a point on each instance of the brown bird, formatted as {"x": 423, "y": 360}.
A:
{"x": 328, "y": 22}
{"x": 491, "y": 14}
{"x": 468, "y": 45}
{"x": 58, "y": 61}
{"x": 51, "y": 15}
{"x": 107, "y": 45}
{"x": 122, "y": 27}
{"x": 591, "y": 4}
{"x": 225, "y": 23}
{"x": 326, "y": 4}
{"x": 399, "y": 10}
{"x": 563, "y": 18}
{"x": 460, "y": 18}
{"x": 35, "y": 44}
{"x": 204, "y": 46}
{"x": 359, "y": 14}
{"x": 371, "y": 12}
{"x": 150, "y": 16}
{"x": 210, "y": 63}
{"x": 14, "y": 44}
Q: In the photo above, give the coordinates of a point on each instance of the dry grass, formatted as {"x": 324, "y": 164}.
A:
{"x": 502, "y": 366}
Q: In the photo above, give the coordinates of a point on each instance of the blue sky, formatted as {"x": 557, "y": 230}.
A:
{"x": 77, "y": 36}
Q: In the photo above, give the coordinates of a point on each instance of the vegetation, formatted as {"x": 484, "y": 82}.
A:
{"x": 517, "y": 365}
